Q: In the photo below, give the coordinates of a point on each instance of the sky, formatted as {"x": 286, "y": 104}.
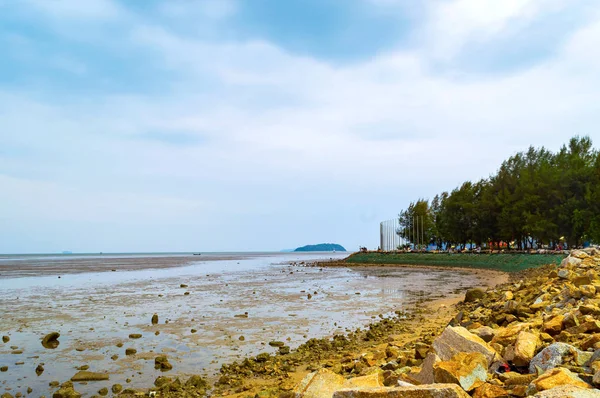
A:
{"x": 248, "y": 125}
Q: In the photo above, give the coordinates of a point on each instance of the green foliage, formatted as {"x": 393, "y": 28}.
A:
{"x": 535, "y": 197}
{"x": 502, "y": 262}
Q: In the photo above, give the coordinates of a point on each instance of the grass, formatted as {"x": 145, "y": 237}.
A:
{"x": 502, "y": 262}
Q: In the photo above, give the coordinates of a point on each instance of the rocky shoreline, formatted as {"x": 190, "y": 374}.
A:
{"x": 537, "y": 335}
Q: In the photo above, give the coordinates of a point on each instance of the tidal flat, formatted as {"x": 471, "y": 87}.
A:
{"x": 211, "y": 311}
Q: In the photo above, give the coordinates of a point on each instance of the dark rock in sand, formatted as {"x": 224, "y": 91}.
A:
{"x": 3, "y": 368}
{"x": 276, "y": 343}
{"x": 135, "y": 336}
{"x": 84, "y": 367}
{"x": 5, "y": 339}
{"x": 66, "y": 391}
{"x": 39, "y": 370}
{"x": 84, "y": 375}
{"x": 186, "y": 293}
{"x": 51, "y": 340}
{"x": 183, "y": 285}
{"x": 196, "y": 382}
{"x": 474, "y": 295}
{"x": 284, "y": 350}
{"x": 103, "y": 391}
{"x": 155, "y": 319}
{"x": 116, "y": 388}
{"x": 162, "y": 362}
{"x": 130, "y": 351}
{"x": 193, "y": 330}
{"x": 242, "y": 338}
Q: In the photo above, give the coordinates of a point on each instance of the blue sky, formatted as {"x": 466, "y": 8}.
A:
{"x": 261, "y": 125}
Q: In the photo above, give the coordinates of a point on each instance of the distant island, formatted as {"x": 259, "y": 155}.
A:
{"x": 321, "y": 247}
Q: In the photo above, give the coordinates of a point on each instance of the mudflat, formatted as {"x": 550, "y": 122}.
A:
{"x": 209, "y": 313}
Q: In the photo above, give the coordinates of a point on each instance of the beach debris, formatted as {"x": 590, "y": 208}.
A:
{"x": 183, "y": 285}
{"x": 130, "y": 351}
{"x": 3, "y": 368}
{"x": 5, "y": 339}
{"x": 51, "y": 340}
{"x": 135, "y": 336}
{"x": 155, "y": 319}
{"x": 39, "y": 369}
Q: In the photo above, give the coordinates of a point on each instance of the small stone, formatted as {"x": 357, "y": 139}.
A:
{"x": 84, "y": 375}
{"x": 135, "y": 336}
{"x": 183, "y": 285}
{"x": 3, "y": 368}
{"x": 116, "y": 388}
{"x": 51, "y": 340}
{"x": 5, "y": 339}
{"x": 39, "y": 370}
{"x": 474, "y": 295}
{"x": 276, "y": 343}
{"x": 130, "y": 351}
{"x": 242, "y": 338}
{"x": 103, "y": 391}
{"x": 154, "y": 319}
{"x": 193, "y": 330}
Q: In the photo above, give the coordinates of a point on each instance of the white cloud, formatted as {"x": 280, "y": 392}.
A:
{"x": 293, "y": 138}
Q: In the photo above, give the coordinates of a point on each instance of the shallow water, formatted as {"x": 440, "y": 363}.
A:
{"x": 94, "y": 311}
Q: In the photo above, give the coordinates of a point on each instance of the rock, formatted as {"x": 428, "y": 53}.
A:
{"x": 84, "y": 375}
{"x": 276, "y": 343}
{"x": 568, "y": 392}
{"x": 162, "y": 362}
{"x": 369, "y": 381}
{"x": 51, "y": 340}
{"x": 467, "y": 370}
{"x": 488, "y": 390}
{"x": 596, "y": 378}
{"x": 590, "y": 342}
{"x": 320, "y": 384}
{"x": 570, "y": 261}
{"x": 424, "y": 391}
{"x": 154, "y": 319}
{"x": 558, "y": 377}
{"x": 486, "y": 333}
{"x": 474, "y": 295}
{"x": 103, "y": 391}
{"x": 551, "y": 356}
{"x": 116, "y": 388}
{"x": 284, "y": 350}
{"x": 554, "y": 325}
{"x": 455, "y": 339}
{"x": 525, "y": 347}
{"x": 508, "y": 295}
{"x": 5, "y": 339}
{"x": 564, "y": 273}
{"x": 588, "y": 291}
{"x": 3, "y": 368}
{"x": 66, "y": 391}
{"x": 183, "y": 285}
{"x": 197, "y": 382}
{"x": 135, "y": 336}
{"x": 425, "y": 376}
{"x": 130, "y": 351}
{"x": 39, "y": 370}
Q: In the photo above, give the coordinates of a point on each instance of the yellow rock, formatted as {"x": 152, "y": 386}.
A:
{"x": 320, "y": 384}
{"x": 456, "y": 339}
{"x": 467, "y": 370}
{"x": 525, "y": 347}
{"x": 558, "y": 377}
{"x": 508, "y": 335}
{"x": 490, "y": 391}
{"x": 372, "y": 380}
{"x": 554, "y": 325}
{"x": 426, "y": 391}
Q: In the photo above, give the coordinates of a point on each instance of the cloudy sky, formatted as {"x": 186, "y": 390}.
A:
{"x": 210, "y": 125}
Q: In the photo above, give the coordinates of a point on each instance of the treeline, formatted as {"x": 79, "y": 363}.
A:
{"x": 535, "y": 198}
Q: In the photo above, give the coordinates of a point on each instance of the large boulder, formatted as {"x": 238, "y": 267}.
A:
{"x": 425, "y": 391}
{"x": 467, "y": 370}
{"x": 558, "y": 377}
{"x": 488, "y": 390}
{"x": 425, "y": 376}
{"x": 568, "y": 392}
{"x": 320, "y": 384}
{"x": 455, "y": 339}
{"x": 525, "y": 347}
{"x": 552, "y": 356}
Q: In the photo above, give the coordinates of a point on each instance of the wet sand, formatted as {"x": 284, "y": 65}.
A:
{"x": 96, "y": 312}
